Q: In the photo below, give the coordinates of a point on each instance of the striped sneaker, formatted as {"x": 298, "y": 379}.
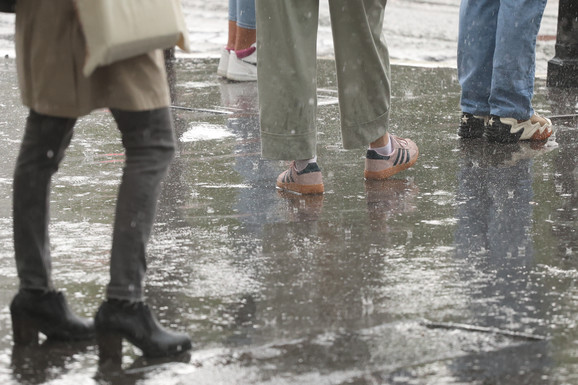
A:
{"x": 510, "y": 130}
{"x": 404, "y": 155}
{"x": 307, "y": 181}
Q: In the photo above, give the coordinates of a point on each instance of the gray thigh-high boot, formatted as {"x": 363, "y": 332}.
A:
{"x": 38, "y": 308}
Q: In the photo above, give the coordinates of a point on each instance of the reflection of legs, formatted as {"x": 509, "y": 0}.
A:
{"x": 37, "y": 307}
{"x": 149, "y": 142}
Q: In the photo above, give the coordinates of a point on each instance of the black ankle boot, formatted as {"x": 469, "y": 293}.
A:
{"x": 134, "y": 321}
{"x": 35, "y": 311}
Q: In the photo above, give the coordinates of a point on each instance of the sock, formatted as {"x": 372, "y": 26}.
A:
{"x": 385, "y": 150}
{"x": 301, "y": 164}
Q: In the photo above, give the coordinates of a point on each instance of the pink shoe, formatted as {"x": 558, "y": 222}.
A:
{"x": 307, "y": 181}
{"x": 404, "y": 155}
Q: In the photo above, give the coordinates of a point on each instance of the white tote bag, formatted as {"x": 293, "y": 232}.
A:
{"x": 119, "y": 29}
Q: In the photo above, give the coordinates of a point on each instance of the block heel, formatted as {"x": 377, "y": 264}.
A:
{"x": 109, "y": 346}
{"x": 24, "y": 330}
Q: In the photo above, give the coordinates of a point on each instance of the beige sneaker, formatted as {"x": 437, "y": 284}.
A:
{"x": 307, "y": 181}
{"x": 404, "y": 155}
{"x": 510, "y": 130}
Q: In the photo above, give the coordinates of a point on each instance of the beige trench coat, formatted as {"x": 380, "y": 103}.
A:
{"x": 50, "y": 52}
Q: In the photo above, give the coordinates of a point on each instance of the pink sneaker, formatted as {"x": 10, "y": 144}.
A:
{"x": 404, "y": 155}
{"x": 307, "y": 181}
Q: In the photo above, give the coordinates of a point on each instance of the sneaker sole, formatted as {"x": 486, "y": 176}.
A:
{"x": 388, "y": 172}
{"x": 541, "y": 136}
{"x": 300, "y": 189}
{"x": 241, "y": 77}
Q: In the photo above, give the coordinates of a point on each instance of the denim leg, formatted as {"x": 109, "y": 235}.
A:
{"x": 246, "y": 14}
{"x": 515, "y": 58}
{"x": 233, "y": 10}
{"x": 149, "y": 142}
{"x": 43, "y": 146}
{"x": 476, "y": 44}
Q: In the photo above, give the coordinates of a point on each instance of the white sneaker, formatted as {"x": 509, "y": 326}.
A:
{"x": 223, "y": 62}
{"x": 243, "y": 69}
{"x": 509, "y": 130}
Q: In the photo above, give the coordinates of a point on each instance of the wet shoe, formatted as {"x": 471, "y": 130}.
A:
{"x": 242, "y": 65}
{"x": 307, "y": 181}
{"x": 404, "y": 155}
{"x": 472, "y": 126}
{"x": 510, "y": 130}
{"x": 223, "y": 62}
{"x": 135, "y": 322}
{"x": 36, "y": 311}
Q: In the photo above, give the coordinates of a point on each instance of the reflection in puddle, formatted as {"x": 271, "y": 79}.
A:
{"x": 203, "y": 131}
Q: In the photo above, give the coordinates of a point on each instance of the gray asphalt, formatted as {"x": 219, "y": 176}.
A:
{"x": 460, "y": 270}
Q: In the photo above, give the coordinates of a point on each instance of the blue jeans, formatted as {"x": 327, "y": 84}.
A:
{"x": 243, "y": 13}
{"x": 497, "y": 54}
{"x": 149, "y": 143}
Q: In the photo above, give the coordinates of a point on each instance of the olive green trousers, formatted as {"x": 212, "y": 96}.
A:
{"x": 287, "y": 57}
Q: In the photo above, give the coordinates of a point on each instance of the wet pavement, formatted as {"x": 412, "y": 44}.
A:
{"x": 460, "y": 270}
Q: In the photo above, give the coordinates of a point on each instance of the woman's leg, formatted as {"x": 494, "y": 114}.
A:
{"x": 45, "y": 141}
{"x": 246, "y": 34}
{"x": 149, "y": 143}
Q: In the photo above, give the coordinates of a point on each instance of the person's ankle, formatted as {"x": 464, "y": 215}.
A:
{"x": 384, "y": 149}
{"x": 301, "y": 164}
